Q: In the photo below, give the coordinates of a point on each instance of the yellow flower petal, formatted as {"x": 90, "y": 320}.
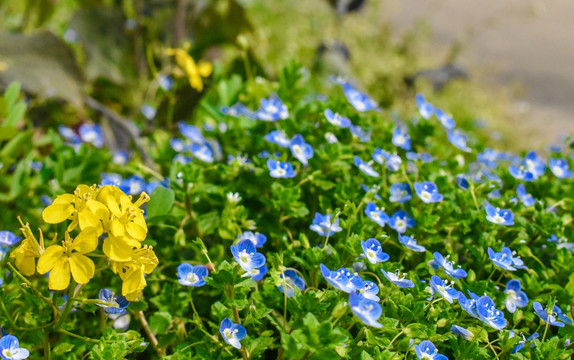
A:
{"x": 117, "y": 228}
{"x": 136, "y": 231}
{"x": 82, "y": 268}
{"x": 205, "y": 68}
{"x": 60, "y": 275}
{"x": 134, "y": 283}
{"x": 86, "y": 241}
{"x": 119, "y": 249}
{"x": 50, "y": 258}
{"x": 98, "y": 209}
{"x": 57, "y": 212}
{"x": 26, "y": 264}
{"x": 87, "y": 219}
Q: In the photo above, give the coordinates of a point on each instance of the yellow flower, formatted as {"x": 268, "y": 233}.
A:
{"x": 30, "y": 249}
{"x": 144, "y": 261}
{"x": 69, "y": 258}
{"x": 127, "y": 218}
{"x": 193, "y": 71}
{"x": 81, "y": 207}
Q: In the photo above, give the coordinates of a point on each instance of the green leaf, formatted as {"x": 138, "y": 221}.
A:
{"x": 161, "y": 201}
{"x": 159, "y": 322}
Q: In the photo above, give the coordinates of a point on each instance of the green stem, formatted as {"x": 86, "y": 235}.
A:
{"x": 474, "y": 197}
{"x": 67, "y": 308}
{"x": 86, "y": 339}
{"x": 36, "y": 292}
{"x": 545, "y": 330}
{"x": 47, "y": 349}
{"x": 395, "y": 338}
{"x": 7, "y": 314}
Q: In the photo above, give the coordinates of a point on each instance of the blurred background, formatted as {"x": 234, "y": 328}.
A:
{"x": 501, "y": 64}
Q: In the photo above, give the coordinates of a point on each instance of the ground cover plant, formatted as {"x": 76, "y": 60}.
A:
{"x": 293, "y": 224}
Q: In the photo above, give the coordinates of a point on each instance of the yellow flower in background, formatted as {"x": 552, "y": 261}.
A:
{"x": 144, "y": 261}
{"x": 30, "y": 249}
{"x": 69, "y": 258}
{"x": 81, "y": 207}
{"x": 193, "y": 71}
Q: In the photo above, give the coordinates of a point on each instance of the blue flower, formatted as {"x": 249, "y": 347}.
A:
{"x": 515, "y": 297}
{"x": 336, "y": 119}
{"x": 10, "y": 348}
{"x": 148, "y": 111}
{"x": 300, "y": 149}
{"x": 69, "y": 134}
{"x": 360, "y": 133}
{"x": 376, "y": 214}
{"x": 257, "y": 238}
{"x": 182, "y": 159}
{"x": 411, "y": 243}
{"x": 525, "y": 198}
{"x": 560, "y": 168}
{"x": 133, "y": 185}
{"x": 553, "y": 238}
{"x": 202, "y": 152}
{"x": 369, "y": 290}
{"x": 448, "y": 266}
{"x": 428, "y": 192}
{"x": 506, "y": 260}
{"x": 116, "y": 304}
{"x": 247, "y": 256}
{"x": 369, "y": 311}
{"x": 446, "y": 120}
{"x": 232, "y": 333}
{"x": 427, "y": 350}
{"x": 342, "y": 279}
{"x": 191, "y": 132}
{"x": 401, "y": 138}
{"x": 447, "y": 291}
{"x": 323, "y": 225}
{"x": 292, "y": 280}
{"x": 92, "y": 134}
{"x": 534, "y": 164}
{"x": 237, "y": 110}
{"x": 258, "y": 273}
{"x": 458, "y": 139}
{"x": 426, "y": 109}
{"x": 360, "y": 101}
{"x": 400, "y": 221}
{"x": 373, "y": 190}
{"x": 398, "y": 279}
{"x": 272, "y": 109}
{"x": 553, "y": 317}
{"x": 489, "y": 314}
{"x": 278, "y": 169}
{"x": 331, "y": 138}
{"x": 499, "y": 216}
{"x": 8, "y": 238}
{"x": 373, "y": 251}
{"x": 166, "y": 82}
{"x": 523, "y": 342}
{"x": 469, "y": 304}
{"x": 178, "y": 145}
{"x": 120, "y": 157}
{"x": 111, "y": 179}
{"x": 462, "y": 181}
{"x": 400, "y": 192}
{"x": 278, "y": 137}
{"x": 520, "y": 173}
{"x": 189, "y": 275}
{"x": 489, "y": 157}
{"x": 365, "y": 167}
{"x": 459, "y": 330}
{"x": 393, "y": 161}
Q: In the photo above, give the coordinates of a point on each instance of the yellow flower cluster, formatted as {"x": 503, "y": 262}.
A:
{"x": 106, "y": 210}
{"x": 194, "y": 71}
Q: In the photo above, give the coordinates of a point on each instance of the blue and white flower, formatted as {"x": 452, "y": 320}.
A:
{"x": 148, "y": 111}
{"x": 448, "y": 266}
{"x": 401, "y": 138}
{"x": 92, "y": 134}
{"x": 400, "y": 192}
{"x": 426, "y": 109}
{"x": 374, "y": 190}
{"x": 336, "y": 119}
{"x": 258, "y": 239}
{"x": 515, "y": 296}
{"x": 232, "y": 333}
{"x": 115, "y": 304}
{"x": 10, "y": 348}
{"x": 292, "y": 281}
{"x": 411, "y": 243}
{"x": 398, "y": 279}
{"x": 400, "y": 221}
{"x": 272, "y": 109}
{"x": 279, "y": 169}
{"x": 8, "y": 238}
{"x": 342, "y": 279}
{"x": 447, "y": 291}
{"x": 506, "y": 259}
{"x": 189, "y": 275}
{"x": 523, "y": 342}
{"x": 111, "y": 179}
{"x": 369, "y": 290}
{"x": 257, "y": 274}
{"x": 428, "y": 192}
{"x": 360, "y": 101}
{"x": 520, "y": 173}
{"x": 359, "y": 133}
{"x": 525, "y": 198}
{"x": 300, "y": 149}
{"x": 459, "y": 330}
{"x": 469, "y": 304}
{"x": 458, "y": 139}
{"x": 191, "y": 132}
{"x": 120, "y": 157}
{"x": 376, "y": 214}
{"x": 560, "y": 168}
{"x": 324, "y": 226}
{"x": 202, "y": 152}
{"x": 499, "y": 216}
{"x": 133, "y": 185}
{"x": 446, "y": 120}
{"x": 69, "y": 134}
{"x": 237, "y": 110}
{"x": 462, "y": 181}
{"x": 369, "y": 311}
{"x": 373, "y": 251}
{"x": 278, "y": 137}
{"x": 365, "y": 167}
{"x": 553, "y": 316}
{"x": 247, "y": 256}
{"x": 489, "y": 314}
{"x": 427, "y": 350}
{"x": 331, "y": 138}
{"x": 534, "y": 164}
{"x": 392, "y": 161}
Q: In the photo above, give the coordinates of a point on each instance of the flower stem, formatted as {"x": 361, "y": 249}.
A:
{"x": 67, "y": 308}
{"x": 152, "y": 338}
{"x": 395, "y": 338}
{"x": 47, "y": 349}
{"x": 36, "y": 292}
{"x": 474, "y": 197}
